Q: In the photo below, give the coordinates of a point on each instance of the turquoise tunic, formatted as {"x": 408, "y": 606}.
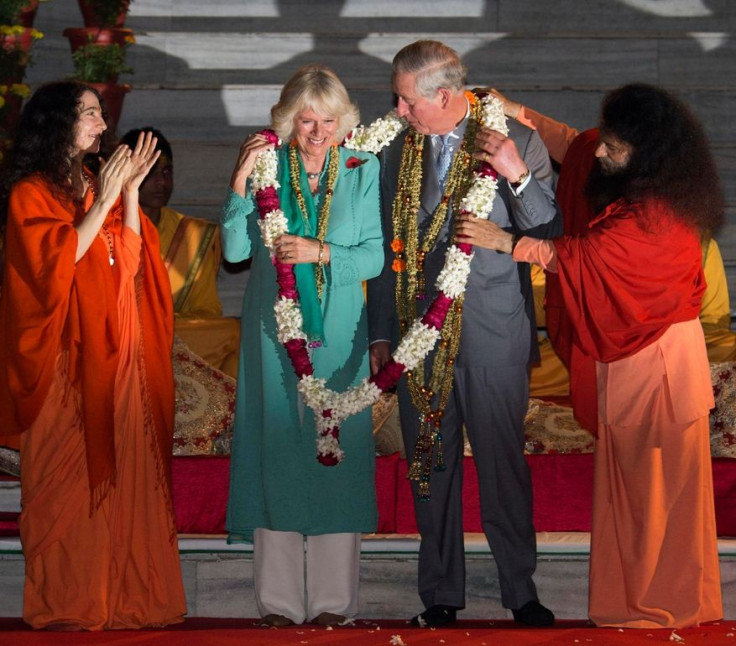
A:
{"x": 276, "y": 481}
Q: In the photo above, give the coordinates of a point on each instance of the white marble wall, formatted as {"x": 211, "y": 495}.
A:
{"x": 207, "y": 73}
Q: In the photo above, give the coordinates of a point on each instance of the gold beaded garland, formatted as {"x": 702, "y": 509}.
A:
{"x": 411, "y": 286}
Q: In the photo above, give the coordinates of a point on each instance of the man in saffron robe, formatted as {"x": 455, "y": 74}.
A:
{"x": 192, "y": 253}
{"x": 575, "y": 152}
{"x": 630, "y": 289}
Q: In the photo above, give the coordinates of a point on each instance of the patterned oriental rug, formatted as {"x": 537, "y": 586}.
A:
{"x": 236, "y": 632}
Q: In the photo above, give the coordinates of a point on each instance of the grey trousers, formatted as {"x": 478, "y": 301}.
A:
{"x": 491, "y": 403}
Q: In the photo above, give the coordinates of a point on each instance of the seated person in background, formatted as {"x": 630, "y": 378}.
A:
{"x": 715, "y": 311}
{"x": 549, "y": 377}
{"x": 191, "y": 251}
{"x": 574, "y": 151}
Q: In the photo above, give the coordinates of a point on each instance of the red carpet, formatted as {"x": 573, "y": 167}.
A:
{"x": 241, "y": 632}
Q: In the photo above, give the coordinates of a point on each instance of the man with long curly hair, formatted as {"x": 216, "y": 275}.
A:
{"x": 631, "y": 287}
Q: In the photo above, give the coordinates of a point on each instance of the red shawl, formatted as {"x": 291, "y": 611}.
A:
{"x": 576, "y": 215}
{"x": 48, "y": 303}
{"x": 636, "y": 271}
{"x": 576, "y": 166}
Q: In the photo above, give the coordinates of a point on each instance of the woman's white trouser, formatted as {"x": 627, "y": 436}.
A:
{"x": 301, "y": 577}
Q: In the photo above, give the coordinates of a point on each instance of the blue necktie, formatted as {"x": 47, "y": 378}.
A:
{"x": 444, "y": 159}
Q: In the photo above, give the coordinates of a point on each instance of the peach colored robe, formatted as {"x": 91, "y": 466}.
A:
{"x": 654, "y": 552}
{"x": 654, "y": 556}
{"x": 119, "y": 567}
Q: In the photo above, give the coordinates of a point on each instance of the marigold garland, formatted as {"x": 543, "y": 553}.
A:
{"x": 332, "y": 408}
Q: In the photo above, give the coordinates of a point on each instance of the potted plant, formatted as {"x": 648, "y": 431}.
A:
{"x": 82, "y": 36}
{"x": 104, "y": 13}
{"x": 99, "y": 60}
{"x": 98, "y": 51}
{"x": 18, "y": 12}
{"x": 15, "y": 57}
{"x": 95, "y": 63}
{"x": 11, "y": 101}
{"x": 15, "y": 51}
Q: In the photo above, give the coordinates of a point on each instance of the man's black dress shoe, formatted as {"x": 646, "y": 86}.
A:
{"x": 533, "y": 613}
{"x": 435, "y": 616}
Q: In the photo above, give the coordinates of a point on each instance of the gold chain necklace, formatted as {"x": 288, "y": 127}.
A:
{"x": 324, "y": 213}
{"x": 411, "y": 286}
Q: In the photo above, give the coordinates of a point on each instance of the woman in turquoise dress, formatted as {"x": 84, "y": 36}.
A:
{"x": 305, "y": 519}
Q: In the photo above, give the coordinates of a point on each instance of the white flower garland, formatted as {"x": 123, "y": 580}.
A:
{"x": 374, "y": 138}
{"x": 289, "y": 319}
{"x": 330, "y": 407}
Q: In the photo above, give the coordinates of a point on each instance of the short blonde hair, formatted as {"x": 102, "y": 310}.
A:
{"x": 435, "y": 64}
{"x": 314, "y": 87}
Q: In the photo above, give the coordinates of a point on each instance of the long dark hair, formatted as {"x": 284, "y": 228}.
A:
{"x": 44, "y": 138}
{"x": 671, "y": 159}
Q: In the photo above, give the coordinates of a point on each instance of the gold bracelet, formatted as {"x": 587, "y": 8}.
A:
{"x": 522, "y": 177}
{"x": 321, "y": 250}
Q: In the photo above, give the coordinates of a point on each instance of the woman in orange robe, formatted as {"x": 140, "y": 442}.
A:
{"x": 85, "y": 374}
{"x": 630, "y": 289}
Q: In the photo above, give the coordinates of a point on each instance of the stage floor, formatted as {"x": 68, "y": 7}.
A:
{"x": 218, "y": 577}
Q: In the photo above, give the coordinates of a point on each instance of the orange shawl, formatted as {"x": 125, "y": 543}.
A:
{"x": 50, "y": 304}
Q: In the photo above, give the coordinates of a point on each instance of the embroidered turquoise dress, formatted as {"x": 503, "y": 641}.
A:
{"x": 276, "y": 481}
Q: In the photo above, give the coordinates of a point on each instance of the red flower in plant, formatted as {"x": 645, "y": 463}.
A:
{"x": 354, "y": 162}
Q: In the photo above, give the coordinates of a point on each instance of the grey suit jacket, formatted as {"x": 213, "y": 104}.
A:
{"x": 498, "y": 315}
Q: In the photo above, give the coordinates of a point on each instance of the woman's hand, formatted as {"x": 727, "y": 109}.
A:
{"x": 294, "y": 250}
{"x": 142, "y": 159}
{"x": 113, "y": 174}
{"x": 251, "y": 148}
{"x": 482, "y": 233}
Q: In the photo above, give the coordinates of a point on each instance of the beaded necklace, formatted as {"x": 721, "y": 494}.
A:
{"x": 324, "y": 213}
{"x": 108, "y": 236}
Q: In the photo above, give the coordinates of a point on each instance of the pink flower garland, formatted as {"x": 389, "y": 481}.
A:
{"x": 267, "y": 200}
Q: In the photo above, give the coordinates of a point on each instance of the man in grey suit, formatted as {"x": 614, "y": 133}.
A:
{"x": 497, "y": 332}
